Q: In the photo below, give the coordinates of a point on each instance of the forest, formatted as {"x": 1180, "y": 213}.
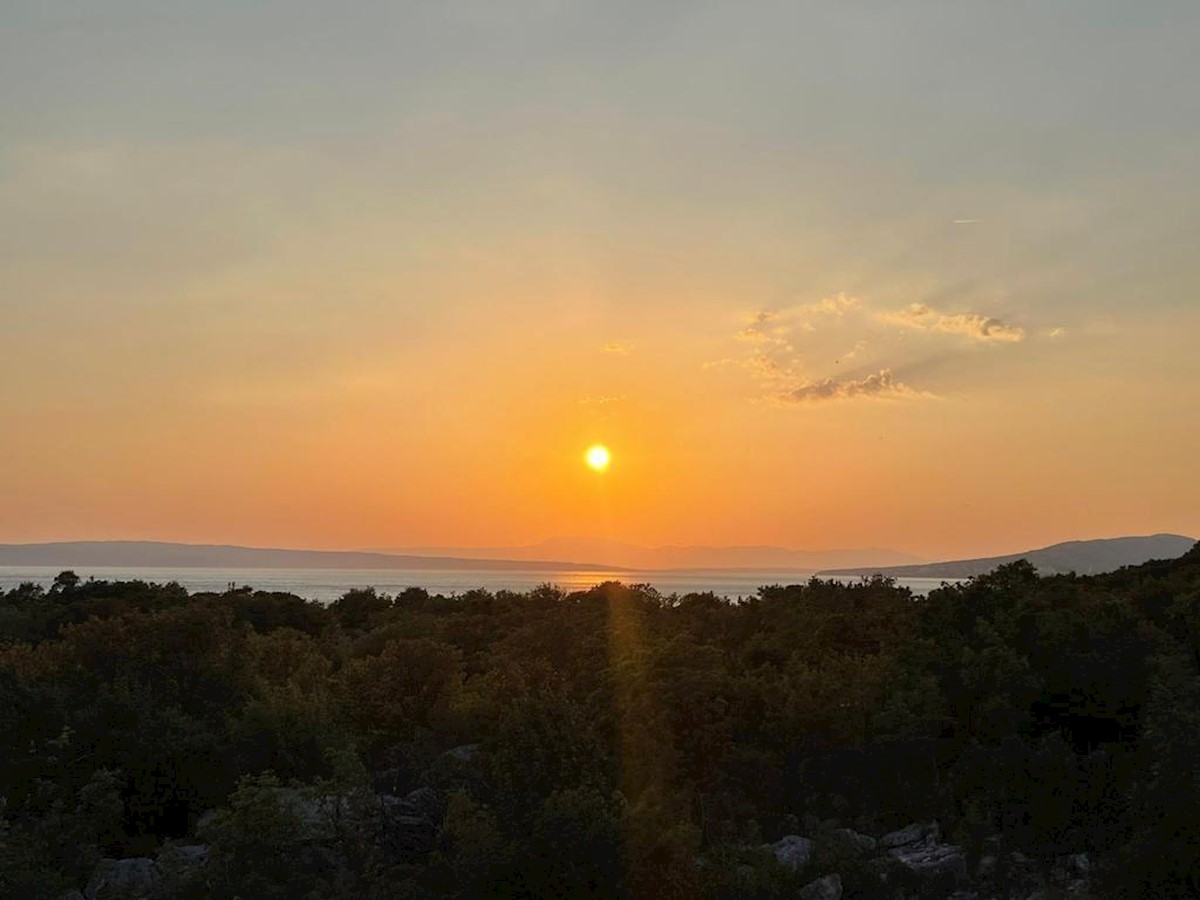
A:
{"x": 1013, "y": 736}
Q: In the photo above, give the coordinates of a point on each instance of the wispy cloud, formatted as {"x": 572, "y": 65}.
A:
{"x": 831, "y": 306}
{"x": 882, "y": 386}
{"x": 600, "y": 401}
{"x": 792, "y": 359}
{"x": 767, "y": 327}
{"x": 975, "y": 326}
{"x": 618, "y": 348}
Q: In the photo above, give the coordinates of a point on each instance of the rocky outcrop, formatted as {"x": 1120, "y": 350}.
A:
{"x": 848, "y": 842}
{"x": 793, "y": 852}
{"x": 459, "y": 767}
{"x": 933, "y": 863}
{"x": 409, "y": 825}
{"x": 910, "y": 834}
{"x": 827, "y": 888}
{"x": 122, "y": 878}
{"x": 182, "y": 856}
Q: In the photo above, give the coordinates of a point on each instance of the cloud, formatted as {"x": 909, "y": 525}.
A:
{"x": 974, "y": 326}
{"x": 618, "y": 348}
{"x": 600, "y": 401}
{"x": 774, "y": 327}
{"x": 830, "y": 306}
{"x": 1056, "y": 332}
{"x": 767, "y": 327}
{"x": 791, "y": 355}
{"x": 853, "y": 352}
{"x": 881, "y": 385}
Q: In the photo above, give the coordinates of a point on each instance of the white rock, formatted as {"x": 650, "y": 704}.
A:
{"x": 909, "y": 834}
{"x": 793, "y": 851}
{"x": 942, "y": 861}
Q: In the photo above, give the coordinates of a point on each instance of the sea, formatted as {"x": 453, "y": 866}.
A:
{"x": 326, "y": 585}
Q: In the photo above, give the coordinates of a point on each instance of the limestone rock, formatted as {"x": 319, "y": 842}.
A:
{"x": 909, "y": 834}
{"x": 942, "y": 863}
{"x": 793, "y": 852}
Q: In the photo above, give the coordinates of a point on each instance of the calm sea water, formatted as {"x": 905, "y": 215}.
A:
{"x": 329, "y": 584}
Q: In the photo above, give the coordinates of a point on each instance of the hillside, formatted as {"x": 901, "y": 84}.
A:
{"x": 1081, "y": 557}
{"x": 168, "y": 555}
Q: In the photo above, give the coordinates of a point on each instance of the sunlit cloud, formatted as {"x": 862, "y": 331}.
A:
{"x": 830, "y": 306}
{"x": 618, "y": 348}
{"x": 792, "y": 357}
{"x": 775, "y": 326}
{"x": 600, "y": 401}
{"x": 853, "y": 352}
{"x": 882, "y": 385}
{"x": 975, "y": 326}
{"x": 768, "y": 327}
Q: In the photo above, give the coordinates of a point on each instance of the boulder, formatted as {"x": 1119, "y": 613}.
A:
{"x": 205, "y": 821}
{"x": 1073, "y": 874}
{"x": 458, "y": 767}
{"x": 793, "y": 852}
{"x": 942, "y": 864}
{"x": 987, "y": 867}
{"x": 1021, "y": 876}
{"x": 409, "y": 825}
{"x": 123, "y": 878}
{"x": 182, "y": 856}
{"x": 850, "y": 842}
{"x": 909, "y": 834}
{"x": 827, "y": 888}
{"x": 465, "y": 754}
{"x": 387, "y": 781}
{"x": 326, "y": 818}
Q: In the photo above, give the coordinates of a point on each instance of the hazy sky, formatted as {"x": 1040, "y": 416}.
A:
{"x": 910, "y": 274}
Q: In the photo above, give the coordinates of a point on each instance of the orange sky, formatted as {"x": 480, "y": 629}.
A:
{"x": 353, "y": 292}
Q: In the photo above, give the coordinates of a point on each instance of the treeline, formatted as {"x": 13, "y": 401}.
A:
{"x": 613, "y": 742}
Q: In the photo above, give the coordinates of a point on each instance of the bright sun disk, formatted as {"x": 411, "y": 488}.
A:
{"x": 597, "y": 457}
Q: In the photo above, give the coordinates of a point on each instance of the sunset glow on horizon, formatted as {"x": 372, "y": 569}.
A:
{"x": 922, "y": 279}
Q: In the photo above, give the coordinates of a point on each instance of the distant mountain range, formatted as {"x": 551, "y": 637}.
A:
{"x": 618, "y": 554}
{"x": 1081, "y": 557}
{"x": 155, "y": 554}
{"x": 580, "y": 554}
{"x": 594, "y": 555}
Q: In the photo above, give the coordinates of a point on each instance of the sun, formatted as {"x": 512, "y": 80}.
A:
{"x": 597, "y": 457}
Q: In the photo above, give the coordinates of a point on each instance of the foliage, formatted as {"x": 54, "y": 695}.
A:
{"x": 611, "y": 742}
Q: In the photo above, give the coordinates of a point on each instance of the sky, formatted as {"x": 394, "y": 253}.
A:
{"x": 916, "y": 275}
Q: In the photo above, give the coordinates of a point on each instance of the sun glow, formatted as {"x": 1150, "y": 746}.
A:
{"x": 597, "y": 457}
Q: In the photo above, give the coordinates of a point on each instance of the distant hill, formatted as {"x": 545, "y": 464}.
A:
{"x": 611, "y": 553}
{"x": 1081, "y": 557}
{"x": 155, "y": 554}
